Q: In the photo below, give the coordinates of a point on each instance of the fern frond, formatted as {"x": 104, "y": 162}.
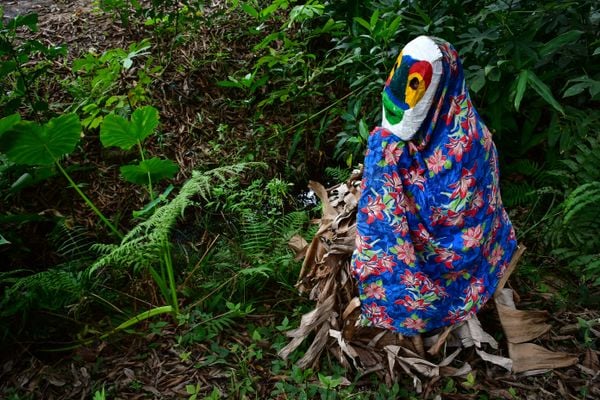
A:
{"x": 517, "y": 193}
{"x": 292, "y": 224}
{"x": 523, "y": 166}
{"x": 141, "y": 246}
{"x": 337, "y": 174}
{"x": 71, "y": 241}
{"x": 585, "y": 200}
{"x": 258, "y": 235}
{"x": 50, "y": 290}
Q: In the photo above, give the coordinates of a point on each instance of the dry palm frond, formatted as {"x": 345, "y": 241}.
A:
{"x": 327, "y": 279}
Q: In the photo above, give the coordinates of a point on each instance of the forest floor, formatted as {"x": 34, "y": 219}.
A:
{"x": 155, "y": 364}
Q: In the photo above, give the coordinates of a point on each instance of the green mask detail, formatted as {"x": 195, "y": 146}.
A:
{"x": 393, "y": 113}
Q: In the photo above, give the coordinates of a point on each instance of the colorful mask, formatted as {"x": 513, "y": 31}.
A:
{"x": 433, "y": 237}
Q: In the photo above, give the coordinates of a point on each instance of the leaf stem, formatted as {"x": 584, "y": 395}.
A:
{"x": 169, "y": 266}
{"x": 88, "y": 201}
{"x": 149, "y": 176}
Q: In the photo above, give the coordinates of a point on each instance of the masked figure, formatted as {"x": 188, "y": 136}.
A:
{"x": 433, "y": 238}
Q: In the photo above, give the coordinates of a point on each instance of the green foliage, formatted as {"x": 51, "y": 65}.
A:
{"x": 33, "y": 144}
{"x": 104, "y": 83}
{"x": 151, "y": 170}
{"x": 142, "y": 246}
{"x": 117, "y": 131}
{"x": 18, "y": 76}
{"x": 28, "y": 143}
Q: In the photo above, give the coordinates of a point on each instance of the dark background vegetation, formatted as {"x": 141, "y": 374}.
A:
{"x": 254, "y": 98}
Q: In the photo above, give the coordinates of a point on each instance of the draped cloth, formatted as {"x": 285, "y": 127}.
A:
{"x": 433, "y": 238}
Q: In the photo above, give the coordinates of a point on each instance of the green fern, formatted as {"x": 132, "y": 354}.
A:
{"x": 71, "y": 242}
{"x": 574, "y": 233}
{"x": 142, "y": 246}
{"x": 517, "y": 193}
{"x": 337, "y": 174}
{"x": 48, "y": 290}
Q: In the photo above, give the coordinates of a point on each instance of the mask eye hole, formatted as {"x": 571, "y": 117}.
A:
{"x": 414, "y": 83}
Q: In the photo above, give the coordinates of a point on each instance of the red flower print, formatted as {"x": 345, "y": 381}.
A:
{"x": 377, "y": 315}
{"x": 380, "y": 321}
{"x": 429, "y": 287}
{"x": 386, "y": 264}
{"x": 400, "y": 225}
{"x": 374, "y": 291}
{"x": 375, "y": 266}
{"x": 410, "y": 205}
{"x": 454, "y": 218}
{"x": 467, "y": 180}
{"x": 374, "y": 209}
{"x": 371, "y": 309}
{"x": 477, "y": 201}
{"x": 393, "y": 180}
{"x": 453, "y": 276}
{"x": 496, "y": 256}
{"x": 457, "y": 147}
{"x": 452, "y": 57}
{"x": 362, "y": 243}
{"x": 455, "y": 316}
{"x": 411, "y": 280}
{"x": 413, "y": 304}
{"x": 421, "y": 237}
{"x": 469, "y": 123}
{"x": 512, "y": 235}
{"x": 502, "y": 270}
{"x": 446, "y": 257}
{"x": 417, "y": 324}
{"x": 438, "y": 216}
{"x": 405, "y": 252}
{"x": 436, "y": 161}
{"x": 474, "y": 289}
{"x": 414, "y": 176}
{"x": 384, "y": 132}
{"x": 392, "y": 153}
{"x": 455, "y": 107}
{"x": 472, "y": 237}
{"x": 487, "y": 139}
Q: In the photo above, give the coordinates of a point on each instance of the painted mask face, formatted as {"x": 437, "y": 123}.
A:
{"x": 411, "y": 87}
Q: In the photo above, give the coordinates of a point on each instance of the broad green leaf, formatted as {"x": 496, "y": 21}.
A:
{"x": 29, "y": 20}
{"x": 575, "y": 89}
{"x": 362, "y": 22}
{"x": 3, "y": 241}
{"x": 373, "y": 20}
{"x": 145, "y": 121}
{"x": 477, "y": 80}
{"x": 117, "y": 131}
{"x": 544, "y": 91}
{"x": 394, "y": 25}
{"x": 521, "y": 86}
{"x": 553, "y": 131}
{"x": 6, "y": 67}
{"x": 561, "y": 40}
{"x": 8, "y": 122}
{"x": 250, "y": 10}
{"x": 157, "y": 168}
{"x": 31, "y": 144}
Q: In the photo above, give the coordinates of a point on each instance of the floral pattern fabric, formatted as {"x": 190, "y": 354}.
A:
{"x": 433, "y": 239}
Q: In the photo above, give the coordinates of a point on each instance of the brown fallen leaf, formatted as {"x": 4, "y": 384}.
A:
{"x": 529, "y": 356}
{"x": 299, "y": 245}
{"x": 519, "y": 326}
